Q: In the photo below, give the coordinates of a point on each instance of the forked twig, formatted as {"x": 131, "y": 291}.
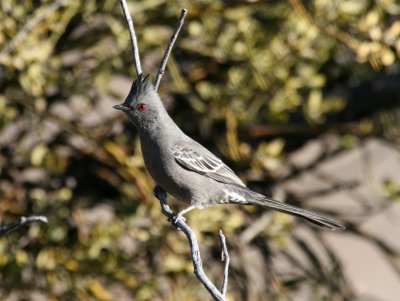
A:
{"x": 5, "y": 229}
{"x": 179, "y": 223}
{"x": 167, "y": 53}
{"x": 132, "y": 34}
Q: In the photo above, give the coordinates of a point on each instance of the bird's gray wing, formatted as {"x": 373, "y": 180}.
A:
{"x": 203, "y": 162}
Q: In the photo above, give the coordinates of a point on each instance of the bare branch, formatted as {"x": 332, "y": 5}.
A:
{"x": 169, "y": 49}
{"x": 29, "y": 25}
{"x": 225, "y": 257}
{"x": 5, "y": 229}
{"x": 179, "y": 223}
{"x": 132, "y": 34}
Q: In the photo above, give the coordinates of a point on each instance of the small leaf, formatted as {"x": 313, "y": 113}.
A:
{"x": 387, "y": 57}
{"x": 46, "y": 260}
{"x": 38, "y": 153}
{"x": 116, "y": 151}
{"x": 99, "y": 291}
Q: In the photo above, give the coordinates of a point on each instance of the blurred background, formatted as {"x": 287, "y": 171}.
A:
{"x": 301, "y": 98}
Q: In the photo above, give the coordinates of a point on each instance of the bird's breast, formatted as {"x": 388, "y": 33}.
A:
{"x": 162, "y": 167}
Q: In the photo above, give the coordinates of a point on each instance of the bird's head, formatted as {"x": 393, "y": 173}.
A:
{"x": 142, "y": 105}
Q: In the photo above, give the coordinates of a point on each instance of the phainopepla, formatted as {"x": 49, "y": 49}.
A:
{"x": 186, "y": 169}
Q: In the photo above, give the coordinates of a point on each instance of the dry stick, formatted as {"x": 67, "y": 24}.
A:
{"x": 132, "y": 34}
{"x": 179, "y": 223}
{"x": 167, "y": 53}
{"x": 5, "y": 229}
{"x": 29, "y": 25}
{"x": 226, "y": 258}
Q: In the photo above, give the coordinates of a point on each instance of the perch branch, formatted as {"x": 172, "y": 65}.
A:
{"x": 5, "y": 229}
{"x": 167, "y": 53}
{"x": 179, "y": 223}
{"x": 132, "y": 34}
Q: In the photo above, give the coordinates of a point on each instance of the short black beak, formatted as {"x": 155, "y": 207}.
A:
{"x": 121, "y": 107}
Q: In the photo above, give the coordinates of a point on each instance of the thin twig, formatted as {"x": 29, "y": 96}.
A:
{"x": 132, "y": 34}
{"x": 29, "y": 25}
{"x": 179, "y": 223}
{"x": 226, "y": 259}
{"x": 5, "y": 229}
{"x": 167, "y": 53}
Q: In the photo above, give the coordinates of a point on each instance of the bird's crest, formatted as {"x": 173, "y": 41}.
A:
{"x": 142, "y": 85}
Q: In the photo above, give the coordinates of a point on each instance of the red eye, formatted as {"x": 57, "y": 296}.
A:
{"x": 141, "y": 106}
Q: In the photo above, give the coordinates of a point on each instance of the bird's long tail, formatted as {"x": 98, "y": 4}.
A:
{"x": 266, "y": 202}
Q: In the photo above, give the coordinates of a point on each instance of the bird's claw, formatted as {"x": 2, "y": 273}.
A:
{"x": 176, "y": 218}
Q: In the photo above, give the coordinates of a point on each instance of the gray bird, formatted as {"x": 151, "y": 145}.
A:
{"x": 186, "y": 169}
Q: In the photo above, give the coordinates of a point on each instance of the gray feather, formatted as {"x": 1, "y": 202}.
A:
{"x": 205, "y": 163}
{"x": 264, "y": 201}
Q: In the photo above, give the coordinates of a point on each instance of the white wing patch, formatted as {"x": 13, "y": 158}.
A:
{"x": 204, "y": 162}
{"x": 233, "y": 197}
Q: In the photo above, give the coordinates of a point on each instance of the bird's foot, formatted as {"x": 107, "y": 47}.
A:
{"x": 179, "y": 216}
{"x": 176, "y": 218}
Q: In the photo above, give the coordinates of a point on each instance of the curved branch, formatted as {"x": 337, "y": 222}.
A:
{"x": 179, "y": 223}
{"x": 7, "y": 228}
{"x": 132, "y": 34}
{"x": 167, "y": 53}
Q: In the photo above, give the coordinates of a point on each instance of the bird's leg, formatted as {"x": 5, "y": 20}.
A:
{"x": 160, "y": 194}
{"x": 181, "y": 213}
{"x": 184, "y": 211}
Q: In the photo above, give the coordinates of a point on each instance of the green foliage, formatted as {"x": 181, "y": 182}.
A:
{"x": 65, "y": 153}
